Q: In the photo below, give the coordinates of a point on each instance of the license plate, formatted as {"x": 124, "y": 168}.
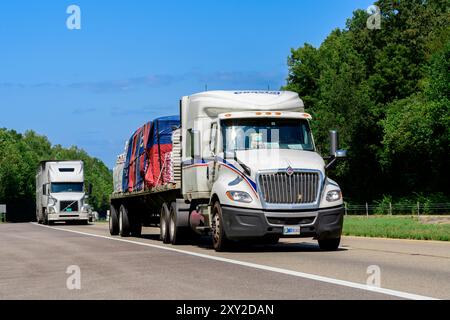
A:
{"x": 68, "y": 210}
{"x": 291, "y": 230}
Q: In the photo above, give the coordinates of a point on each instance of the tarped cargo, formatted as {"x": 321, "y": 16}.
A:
{"x": 148, "y": 155}
{"x": 159, "y": 148}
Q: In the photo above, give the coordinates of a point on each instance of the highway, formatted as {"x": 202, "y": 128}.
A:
{"x": 34, "y": 260}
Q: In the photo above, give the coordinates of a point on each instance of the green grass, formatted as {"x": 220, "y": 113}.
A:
{"x": 403, "y": 227}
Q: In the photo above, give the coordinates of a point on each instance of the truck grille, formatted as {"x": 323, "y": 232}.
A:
{"x": 68, "y": 206}
{"x": 282, "y": 188}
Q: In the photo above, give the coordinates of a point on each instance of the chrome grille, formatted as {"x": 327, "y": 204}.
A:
{"x": 68, "y": 206}
{"x": 282, "y": 188}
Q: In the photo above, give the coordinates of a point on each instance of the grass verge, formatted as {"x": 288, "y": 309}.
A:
{"x": 397, "y": 227}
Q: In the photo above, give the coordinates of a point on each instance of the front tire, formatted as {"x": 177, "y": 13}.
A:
{"x": 113, "y": 221}
{"x": 46, "y": 221}
{"x": 329, "y": 244}
{"x": 220, "y": 240}
{"x": 124, "y": 222}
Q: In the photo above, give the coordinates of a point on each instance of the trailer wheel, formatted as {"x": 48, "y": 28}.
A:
{"x": 220, "y": 240}
{"x": 175, "y": 232}
{"x": 329, "y": 244}
{"x": 124, "y": 222}
{"x": 113, "y": 221}
{"x": 164, "y": 224}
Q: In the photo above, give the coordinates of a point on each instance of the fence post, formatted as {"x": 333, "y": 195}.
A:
{"x": 367, "y": 209}
{"x": 418, "y": 208}
{"x": 390, "y": 208}
{"x": 346, "y": 209}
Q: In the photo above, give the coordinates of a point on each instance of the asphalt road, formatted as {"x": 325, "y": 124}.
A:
{"x": 34, "y": 260}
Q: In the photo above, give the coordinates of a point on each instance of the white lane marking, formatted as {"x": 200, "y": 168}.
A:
{"x": 309, "y": 276}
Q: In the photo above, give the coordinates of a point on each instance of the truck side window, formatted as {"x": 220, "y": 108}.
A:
{"x": 190, "y": 144}
{"x": 212, "y": 141}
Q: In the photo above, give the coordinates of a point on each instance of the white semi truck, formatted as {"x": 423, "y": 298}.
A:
{"x": 60, "y": 193}
{"x": 245, "y": 167}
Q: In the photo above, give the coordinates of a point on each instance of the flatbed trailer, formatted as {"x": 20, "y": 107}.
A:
{"x": 147, "y": 208}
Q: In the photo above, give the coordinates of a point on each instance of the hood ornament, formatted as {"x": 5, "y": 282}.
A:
{"x": 290, "y": 171}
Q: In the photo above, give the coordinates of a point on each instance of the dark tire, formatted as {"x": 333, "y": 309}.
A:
{"x": 113, "y": 221}
{"x": 175, "y": 233}
{"x": 124, "y": 222}
{"x": 220, "y": 240}
{"x": 164, "y": 224}
{"x": 329, "y": 244}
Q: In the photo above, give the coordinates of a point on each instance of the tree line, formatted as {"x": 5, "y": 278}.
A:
{"x": 20, "y": 155}
{"x": 387, "y": 91}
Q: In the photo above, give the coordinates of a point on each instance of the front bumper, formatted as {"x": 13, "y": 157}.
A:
{"x": 69, "y": 216}
{"x": 241, "y": 224}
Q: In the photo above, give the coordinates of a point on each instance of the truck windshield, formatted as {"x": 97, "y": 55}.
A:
{"x": 66, "y": 187}
{"x": 267, "y": 133}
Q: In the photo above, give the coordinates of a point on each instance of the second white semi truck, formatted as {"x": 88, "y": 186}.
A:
{"x": 244, "y": 166}
{"x": 61, "y": 194}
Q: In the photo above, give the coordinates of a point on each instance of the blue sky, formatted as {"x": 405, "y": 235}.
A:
{"x": 132, "y": 60}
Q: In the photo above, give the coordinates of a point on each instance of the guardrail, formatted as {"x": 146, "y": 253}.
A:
{"x": 398, "y": 209}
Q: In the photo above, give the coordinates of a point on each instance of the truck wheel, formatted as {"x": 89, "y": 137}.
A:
{"x": 46, "y": 221}
{"x": 124, "y": 222}
{"x": 113, "y": 221}
{"x": 220, "y": 240}
{"x": 329, "y": 244}
{"x": 175, "y": 233}
{"x": 164, "y": 224}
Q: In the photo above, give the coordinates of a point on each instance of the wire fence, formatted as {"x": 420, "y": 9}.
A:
{"x": 398, "y": 209}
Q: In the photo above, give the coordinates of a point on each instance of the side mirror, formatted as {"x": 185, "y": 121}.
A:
{"x": 90, "y": 189}
{"x": 335, "y": 153}
{"x": 341, "y": 154}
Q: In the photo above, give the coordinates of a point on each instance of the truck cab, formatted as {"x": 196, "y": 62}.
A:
{"x": 61, "y": 194}
{"x": 250, "y": 166}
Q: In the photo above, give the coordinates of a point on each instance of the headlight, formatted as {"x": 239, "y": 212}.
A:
{"x": 52, "y": 201}
{"x": 51, "y": 210}
{"x": 239, "y": 196}
{"x": 334, "y": 195}
{"x": 85, "y": 208}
